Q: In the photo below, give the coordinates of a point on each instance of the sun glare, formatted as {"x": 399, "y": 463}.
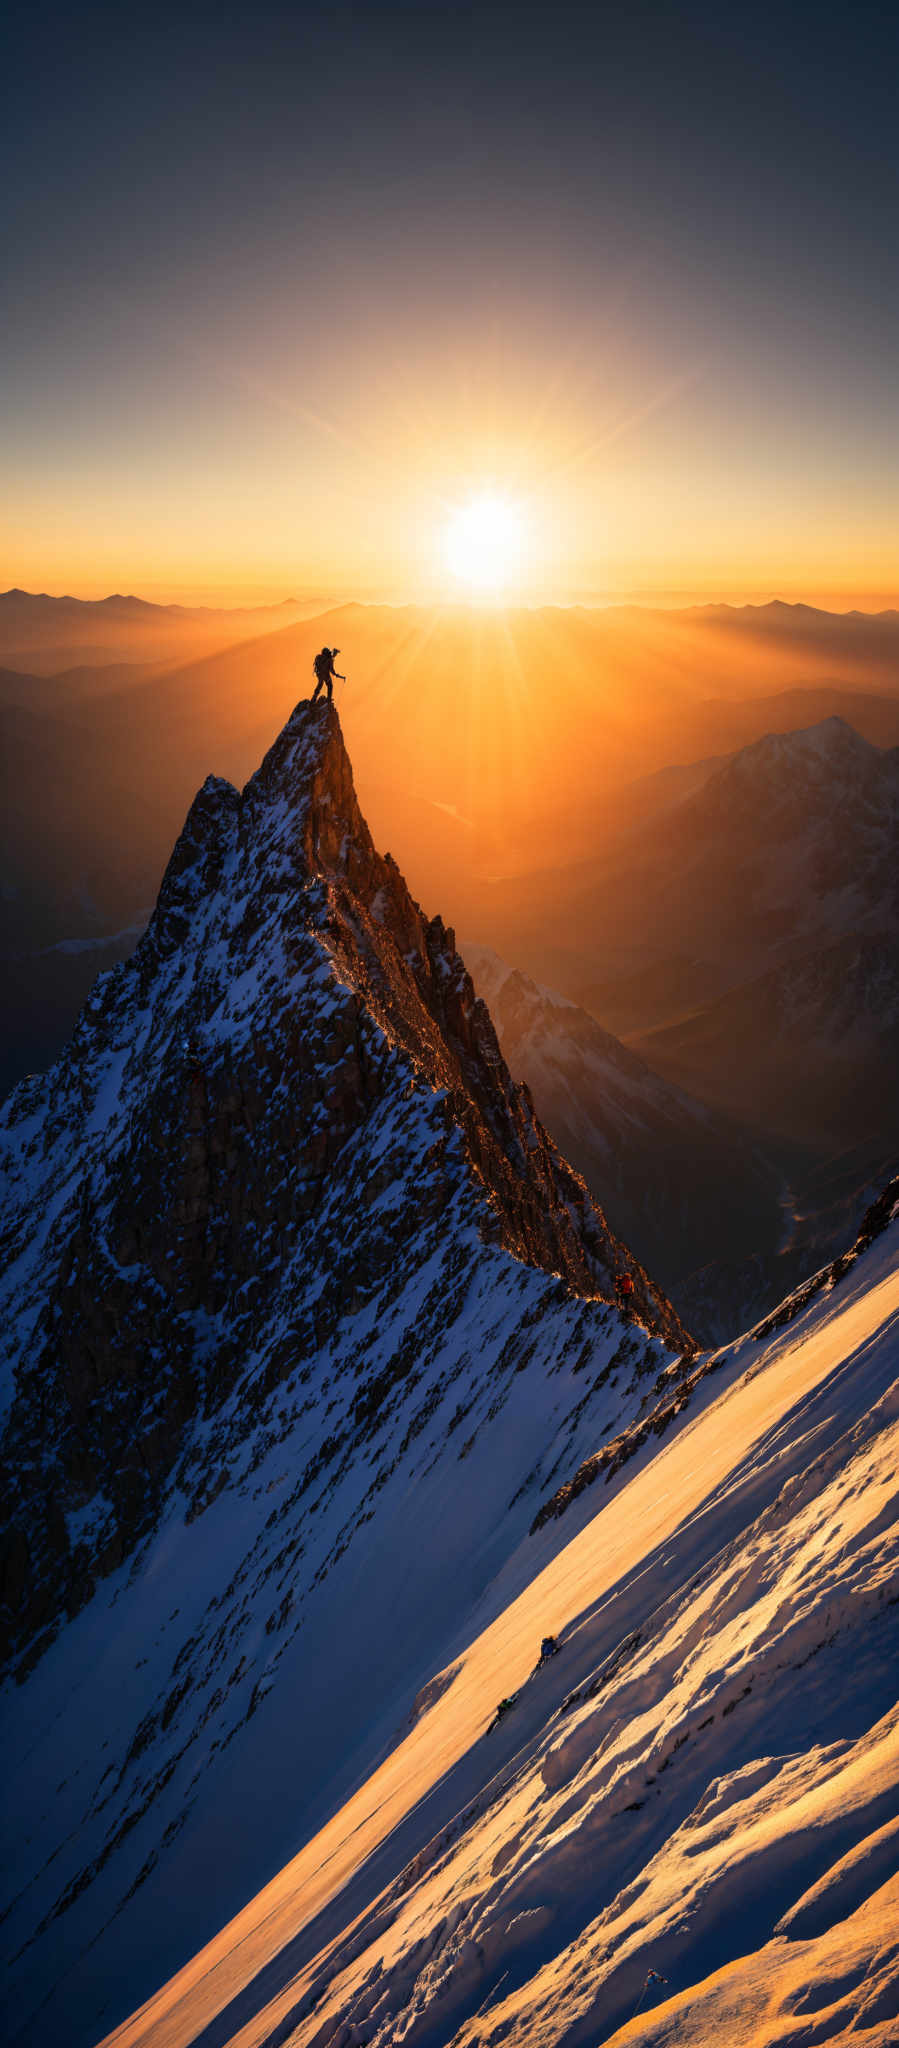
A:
{"x": 485, "y": 543}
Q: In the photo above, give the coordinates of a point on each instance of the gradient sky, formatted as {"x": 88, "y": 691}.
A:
{"x": 287, "y": 285}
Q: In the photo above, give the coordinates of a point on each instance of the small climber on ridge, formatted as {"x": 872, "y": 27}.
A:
{"x": 326, "y": 673}
{"x": 504, "y": 1707}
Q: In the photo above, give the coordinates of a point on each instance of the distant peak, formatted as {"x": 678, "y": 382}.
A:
{"x": 830, "y": 735}
{"x": 828, "y": 739}
{"x": 813, "y": 756}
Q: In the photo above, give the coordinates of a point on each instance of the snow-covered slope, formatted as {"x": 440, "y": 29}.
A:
{"x": 303, "y": 1310}
{"x": 680, "y": 1183}
{"x": 687, "y": 1826}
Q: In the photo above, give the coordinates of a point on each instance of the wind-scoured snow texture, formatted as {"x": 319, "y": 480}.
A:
{"x": 687, "y": 1827}
{"x": 674, "y": 1389}
{"x": 305, "y": 1314}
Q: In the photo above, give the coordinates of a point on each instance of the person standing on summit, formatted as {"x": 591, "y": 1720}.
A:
{"x": 326, "y": 673}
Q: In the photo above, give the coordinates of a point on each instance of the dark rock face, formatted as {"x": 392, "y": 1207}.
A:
{"x": 287, "y": 1098}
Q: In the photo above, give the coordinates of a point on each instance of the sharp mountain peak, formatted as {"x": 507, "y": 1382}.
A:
{"x": 292, "y": 1040}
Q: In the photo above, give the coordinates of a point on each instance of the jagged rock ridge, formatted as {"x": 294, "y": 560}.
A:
{"x": 287, "y": 1000}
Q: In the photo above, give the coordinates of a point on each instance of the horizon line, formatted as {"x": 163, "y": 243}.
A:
{"x": 641, "y": 600}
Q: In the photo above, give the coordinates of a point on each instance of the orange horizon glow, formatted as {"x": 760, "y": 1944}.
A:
{"x": 634, "y": 487}
{"x": 232, "y": 592}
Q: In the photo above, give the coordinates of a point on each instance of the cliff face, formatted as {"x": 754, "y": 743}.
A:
{"x": 283, "y": 1105}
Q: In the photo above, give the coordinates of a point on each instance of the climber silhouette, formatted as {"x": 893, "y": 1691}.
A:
{"x": 326, "y": 673}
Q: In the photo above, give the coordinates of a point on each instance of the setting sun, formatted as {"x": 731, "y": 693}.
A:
{"x": 485, "y": 543}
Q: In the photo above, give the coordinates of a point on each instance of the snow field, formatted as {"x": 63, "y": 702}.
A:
{"x": 705, "y": 1776}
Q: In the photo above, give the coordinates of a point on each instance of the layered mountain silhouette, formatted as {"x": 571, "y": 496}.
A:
{"x": 305, "y": 1314}
{"x": 534, "y": 735}
{"x": 809, "y": 1048}
{"x": 730, "y": 1221}
{"x": 686, "y": 1186}
{"x": 38, "y": 631}
{"x": 763, "y": 908}
{"x": 789, "y": 863}
{"x": 791, "y": 844}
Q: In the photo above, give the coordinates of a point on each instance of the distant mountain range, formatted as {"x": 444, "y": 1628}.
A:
{"x": 481, "y": 745}
{"x": 37, "y": 607}
{"x": 686, "y": 1186}
{"x": 45, "y": 632}
{"x": 763, "y": 908}
{"x": 787, "y": 845}
{"x": 810, "y": 1048}
{"x": 730, "y": 1215}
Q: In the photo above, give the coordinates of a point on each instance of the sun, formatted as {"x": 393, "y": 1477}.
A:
{"x": 485, "y": 543}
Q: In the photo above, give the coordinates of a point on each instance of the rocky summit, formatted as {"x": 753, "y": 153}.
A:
{"x": 305, "y": 1317}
